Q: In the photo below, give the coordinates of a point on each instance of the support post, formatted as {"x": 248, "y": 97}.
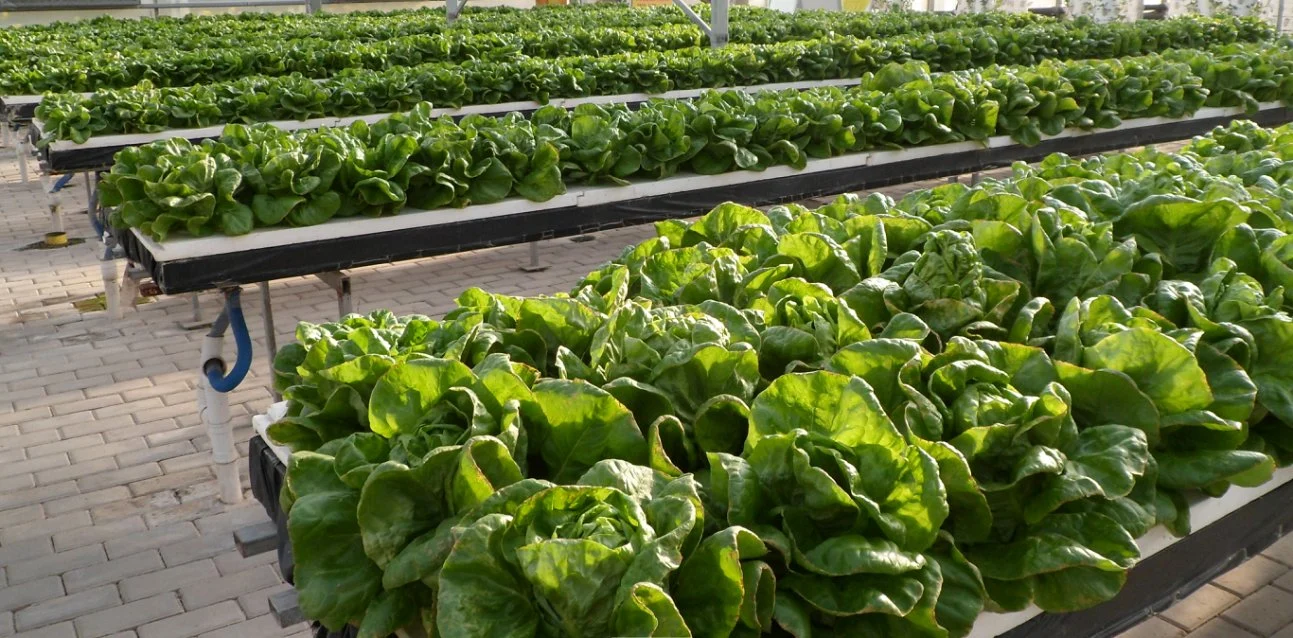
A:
{"x": 534, "y": 265}
{"x": 975, "y": 178}
{"x": 697, "y": 20}
{"x": 1279, "y": 18}
{"x": 271, "y": 339}
{"x": 4, "y": 133}
{"x": 197, "y": 307}
{"x": 22, "y": 157}
{"x": 111, "y": 291}
{"x": 340, "y": 284}
{"x": 452, "y": 9}
{"x": 718, "y": 23}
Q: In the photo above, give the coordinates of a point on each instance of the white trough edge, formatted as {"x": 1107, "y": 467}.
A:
{"x": 261, "y": 422}
{"x": 1204, "y": 511}
{"x": 190, "y": 248}
{"x": 136, "y": 139}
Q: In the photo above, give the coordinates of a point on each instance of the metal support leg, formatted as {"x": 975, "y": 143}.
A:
{"x": 4, "y": 133}
{"x": 718, "y": 23}
{"x": 534, "y": 265}
{"x": 452, "y": 9}
{"x": 953, "y": 179}
{"x": 91, "y": 202}
{"x": 271, "y": 338}
{"x": 691, "y": 15}
{"x": 975, "y": 178}
{"x": 196, "y": 322}
{"x": 340, "y": 284}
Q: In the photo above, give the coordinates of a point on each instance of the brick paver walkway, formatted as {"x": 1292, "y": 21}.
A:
{"x": 110, "y": 524}
{"x": 1254, "y": 599}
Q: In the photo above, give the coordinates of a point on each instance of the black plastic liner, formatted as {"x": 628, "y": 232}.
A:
{"x": 204, "y": 273}
{"x": 267, "y": 475}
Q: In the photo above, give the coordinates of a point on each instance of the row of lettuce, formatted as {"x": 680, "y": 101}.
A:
{"x": 149, "y": 108}
{"x": 262, "y": 176}
{"x": 875, "y": 418}
{"x": 208, "y": 32}
{"x": 542, "y": 34}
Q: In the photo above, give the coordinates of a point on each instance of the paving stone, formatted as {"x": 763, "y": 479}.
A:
{"x": 1153, "y": 627}
{"x": 153, "y": 538}
{"x": 233, "y": 562}
{"x": 65, "y": 445}
{"x": 159, "y": 453}
{"x": 34, "y": 465}
{"x": 144, "y": 506}
{"x": 209, "y": 592}
{"x": 1264, "y": 612}
{"x": 257, "y": 603}
{"x": 66, "y": 607}
{"x": 107, "y": 449}
{"x": 169, "y": 579}
{"x": 1254, "y": 574}
{"x": 22, "y": 515}
{"x": 1220, "y": 628}
{"x": 89, "y": 425}
{"x": 114, "y": 570}
{"x": 194, "y": 622}
{"x": 86, "y": 500}
{"x": 1281, "y": 550}
{"x": 76, "y": 470}
{"x": 61, "y": 630}
{"x": 194, "y": 502}
{"x": 197, "y": 548}
{"x": 44, "y": 527}
{"x": 98, "y": 533}
{"x": 128, "y": 616}
{"x": 1203, "y": 605}
{"x": 53, "y": 564}
{"x": 261, "y": 627}
{"x": 122, "y": 476}
{"x": 25, "y": 550}
{"x": 170, "y": 481}
{"x": 14, "y": 598}
{"x": 246, "y": 514}
{"x": 17, "y": 483}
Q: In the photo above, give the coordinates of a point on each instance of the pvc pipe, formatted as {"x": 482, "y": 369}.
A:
{"x": 56, "y": 215}
{"x": 111, "y": 292}
{"x": 213, "y": 408}
{"x": 22, "y": 159}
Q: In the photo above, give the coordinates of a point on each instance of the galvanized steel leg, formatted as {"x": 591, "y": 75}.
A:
{"x": 534, "y": 265}
{"x": 271, "y": 338}
{"x": 340, "y": 284}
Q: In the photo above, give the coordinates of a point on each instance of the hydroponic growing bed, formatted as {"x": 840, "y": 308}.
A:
{"x": 873, "y": 418}
{"x": 188, "y": 264}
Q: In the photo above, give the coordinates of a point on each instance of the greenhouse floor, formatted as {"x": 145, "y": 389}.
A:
{"x": 110, "y": 524}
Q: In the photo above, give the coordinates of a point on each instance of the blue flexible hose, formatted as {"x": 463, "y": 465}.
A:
{"x": 232, "y": 316}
